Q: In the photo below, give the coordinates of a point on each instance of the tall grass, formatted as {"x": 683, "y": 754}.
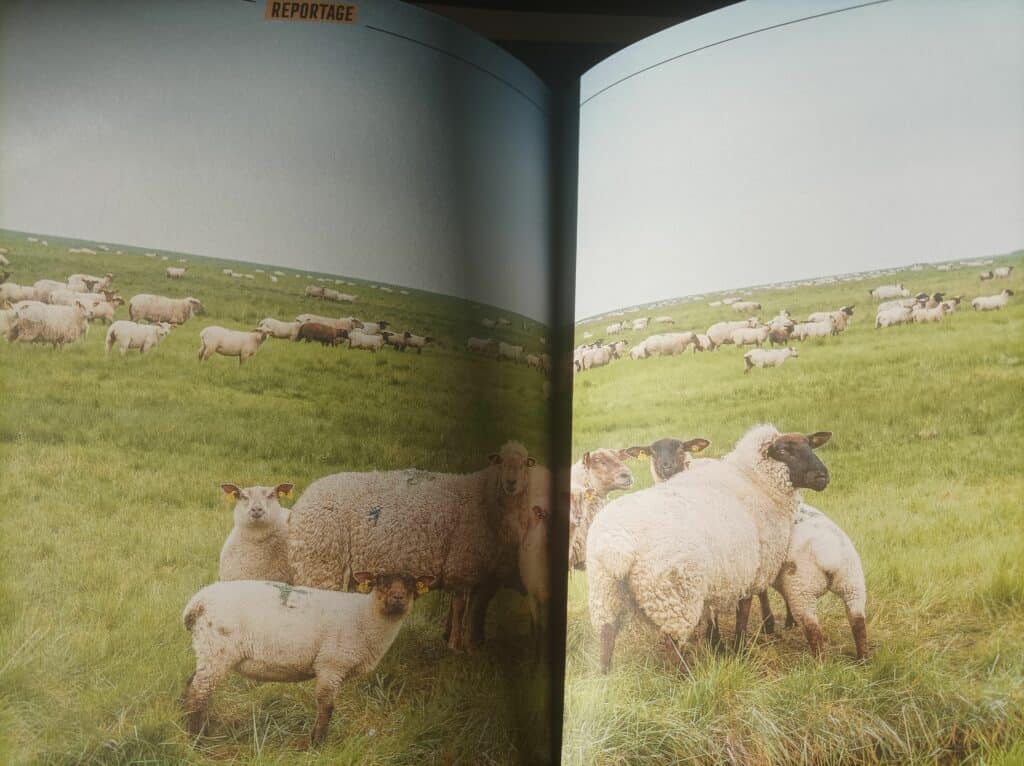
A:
{"x": 112, "y": 518}
{"x": 926, "y": 463}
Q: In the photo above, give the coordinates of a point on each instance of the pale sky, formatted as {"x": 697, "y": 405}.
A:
{"x": 878, "y": 136}
{"x": 195, "y": 125}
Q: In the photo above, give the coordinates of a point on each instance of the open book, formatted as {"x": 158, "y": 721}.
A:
{"x": 360, "y": 392}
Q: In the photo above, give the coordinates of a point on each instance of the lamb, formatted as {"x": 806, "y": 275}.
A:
{"x": 893, "y": 316}
{"x": 270, "y": 631}
{"x": 35, "y": 322}
{"x": 509, "y": 351}
{"x": 257, "y": 547}
{"x": 359, "y": 339}
{"x": 668, "y": 456}
{"x": 820, "y": 558}
{"x": 410, "y": 521}
{"x": 592, "y": 477}
{"x": 745, "y": 307}
{"x": 750, "y": 336}
{"x": 721, "y": 332}
{"x": 220, "y": 340}
{"x": 418, "y": 342}
{"x": 323, "y": 334}
{"x": 703, "y": 542}
{"x": 889, "y": 291}
{"x": 157, "y": 308}
{"x": 767, "y": 358}
{"x": 176, "y": 272}
{"x": 1002, "y": 272}
{"x": 144, "y": 337}
{"x": 275, "y": 328}
{"x": 992, "y": 302}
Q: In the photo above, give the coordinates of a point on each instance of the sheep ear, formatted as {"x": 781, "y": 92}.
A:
{"x": 531, "y": 462}
{"x": 284, "y": 490}
{"x": 819, "y": 438}
{"x": 423, "y": 583}
{"x": 231, "y": 491}
{"x": 696, "y": 445}
{"x": 635, "y": 452}
{"x": 494, "y": 458}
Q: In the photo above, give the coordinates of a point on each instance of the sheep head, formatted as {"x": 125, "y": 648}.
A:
{"x": 796, "y": 452}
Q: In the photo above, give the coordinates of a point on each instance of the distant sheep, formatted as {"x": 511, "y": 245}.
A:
{"x": 509, "y": 351}
{"x": 1002, "y": 272}
{"x": 889, "y": 291}
{"x": 176, "y": 272}
{"x": 126, "y": 335}
{"x": 480, "y": 345}
{"x": 359, "y": 339}
{"x": 992, "y": 302}
{"x": 157, "y": 308}
{"x": 220, "y": 340}
{"x": 745, "y": 307}
{"x": 720, "y": 333}
{"x": 767, "y": 358}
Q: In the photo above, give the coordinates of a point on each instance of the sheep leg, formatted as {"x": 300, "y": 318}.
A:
{"x": 742, "y": 618}
{"x": 457, "y": 611}
{"x": 200, "y": 689}
{"x": 790, "y": 620}
{"x": 813, "y": 633}
{"x": 326, "y": 690}
{"x": 860, "y": 633}
{"x": 609, "y": 631}
{"x": 480, "y": 599}
{"x": 767, "y": 616}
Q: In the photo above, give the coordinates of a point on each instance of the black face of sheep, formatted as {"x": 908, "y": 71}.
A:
{"x": 668, "y": 456}
{"x": 806, "y": 471}
{"x": 393, "y": 593}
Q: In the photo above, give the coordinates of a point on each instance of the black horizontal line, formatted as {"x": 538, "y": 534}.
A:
{"x": 731, "y": 39}
{"x": 455, "y": 56}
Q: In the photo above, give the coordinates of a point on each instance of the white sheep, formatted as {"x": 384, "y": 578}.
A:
{"x": 338, "y": 323}
{"x": 35, "y": 322}
{"x": 12, "y": 293}
{"x": 157, "y": 308}
{"x": 176, "y": 272}
{"x": 271, "y": 631}
{"x": 87, "y": 283}
{"x": 805, "y": 330}
{"x": 144, "y": 337}
{"x": 720, "y": 333}
{"x": 373, "y": 328}
{"x": 992, "y": 302}
{"x": 761, "y": 357}
{"x": 596, "y": 357}
{"x": 700, "y": 543}
{"x": 750, "y": 336}
{"x": 745, "y": 307}
{"x": 257, "y": 546}
{"x": 45, "y": 288}
{"x": 220, "y": 340}
{"x": 889, "y": 291}
{"x": 821, "y": 558}
{"x": 704, "y": 343}
{"x": 668, "y": 344}
{"x": 473, "y": 345}
{"x": 921, "y": 314}
{"x": 275, "y": 328}
{"x": 357, "y": 339}
{"x": 509, "y": 351}
{"x": 1002, "y": 272}
{"x": 614, "y": 328}
{"x": 641, "y": 324}
{"x": 664, "y": 320}
{"x": 893, "y": 316}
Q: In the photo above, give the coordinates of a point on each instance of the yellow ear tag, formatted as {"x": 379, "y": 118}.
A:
{"x": 363, "y": 587}
{"x": 422, "y": 587}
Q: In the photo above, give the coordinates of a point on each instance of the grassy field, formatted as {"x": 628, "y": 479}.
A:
{"x": 113, "y": 517}
{"x": 926, "y": 464}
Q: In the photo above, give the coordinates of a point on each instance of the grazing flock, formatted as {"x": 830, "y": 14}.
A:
{"x": 896, "y": 306}
{"x": 59, "y": 312}
{"x": 320, "y": 592}
{"x": 707, "y": 537}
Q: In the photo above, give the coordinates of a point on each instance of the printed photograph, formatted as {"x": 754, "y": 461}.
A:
{"x": 274, "y": 386}
{"x": 795, "y": 523}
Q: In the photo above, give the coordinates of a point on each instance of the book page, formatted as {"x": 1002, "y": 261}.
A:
{"x": 796, "y": 526}
{"x": 274, "y": 385}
